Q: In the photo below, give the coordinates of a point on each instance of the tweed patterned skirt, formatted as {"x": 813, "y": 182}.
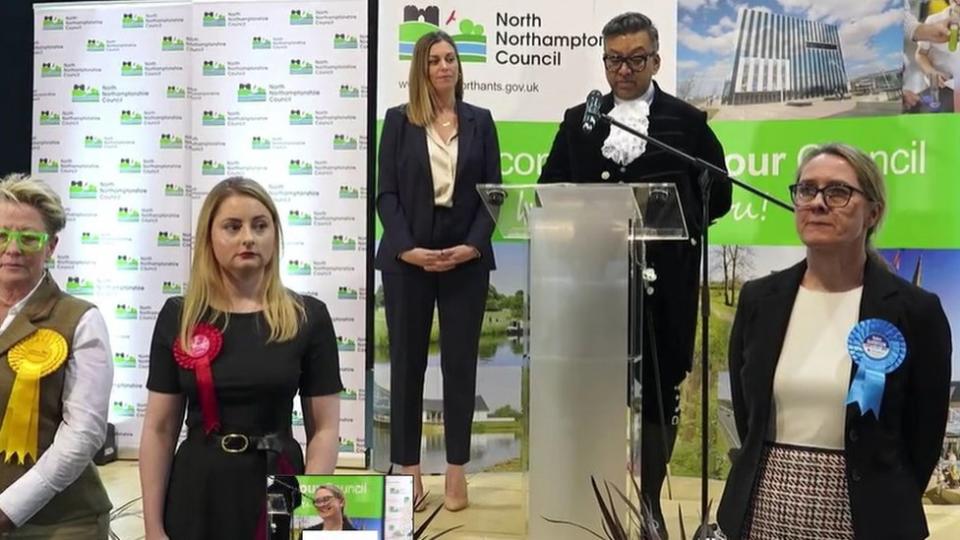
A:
{"x": 800, "y": 494}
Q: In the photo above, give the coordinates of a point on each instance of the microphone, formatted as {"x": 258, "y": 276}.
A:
{"x": 593, "y": 108}
{"x": 497, "y": 196}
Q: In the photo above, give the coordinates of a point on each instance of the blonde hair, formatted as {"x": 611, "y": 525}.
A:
{"x": 421, "y": 109}
{"x": 23, "y": 189}
{"x": 338, "y": 493}
{"x": 868, "y": 175}
{"x": 282, "y": 309}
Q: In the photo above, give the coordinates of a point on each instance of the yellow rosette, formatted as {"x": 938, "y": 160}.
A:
{"x": 31, "y": 359}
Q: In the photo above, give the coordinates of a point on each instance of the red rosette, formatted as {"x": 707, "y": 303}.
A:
{"x": 205, "y": 345}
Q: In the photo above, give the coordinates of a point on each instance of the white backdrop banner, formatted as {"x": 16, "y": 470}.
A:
{"x": 141, "y": 107}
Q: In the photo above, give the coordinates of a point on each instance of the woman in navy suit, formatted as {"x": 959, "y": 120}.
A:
{"x": 435, "y": 249}
{"x": 840, "y": 375}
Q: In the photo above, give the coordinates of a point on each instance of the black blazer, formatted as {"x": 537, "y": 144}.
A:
{"x": 405, "y": 196}
{"x": 890, "y": 458}
{"x": 576, "y": 157}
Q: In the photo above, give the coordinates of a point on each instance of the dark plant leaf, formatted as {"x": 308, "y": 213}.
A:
{"x": 418, "y": 534}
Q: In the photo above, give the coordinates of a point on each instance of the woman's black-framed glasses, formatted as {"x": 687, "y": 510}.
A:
{"x": 27, "y": 241}
{"x": 834, "y": 195}
{"x": 637, "y": 62}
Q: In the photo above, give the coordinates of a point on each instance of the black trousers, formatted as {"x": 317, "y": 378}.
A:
{"x": 460, "y": 295}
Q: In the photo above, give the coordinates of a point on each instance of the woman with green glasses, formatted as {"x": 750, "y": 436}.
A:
{"x": 55, "y": 380}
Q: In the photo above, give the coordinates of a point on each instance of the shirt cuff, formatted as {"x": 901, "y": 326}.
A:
{"x": 26, "y": 497}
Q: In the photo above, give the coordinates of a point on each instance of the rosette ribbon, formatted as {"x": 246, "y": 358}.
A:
{"x": 877, "y": 347}
{"x": 38, "y": 355}
{"x": 205, "y": 345}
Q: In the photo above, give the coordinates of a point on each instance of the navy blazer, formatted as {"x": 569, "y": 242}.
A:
{"x": 405, "y": 197}
{"x": 890, "y": 459}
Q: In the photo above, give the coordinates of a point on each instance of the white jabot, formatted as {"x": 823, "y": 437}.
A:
{"x": 622, "y": 147}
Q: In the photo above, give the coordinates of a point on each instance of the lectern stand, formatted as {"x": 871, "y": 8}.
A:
{"x": 585, "y": 279}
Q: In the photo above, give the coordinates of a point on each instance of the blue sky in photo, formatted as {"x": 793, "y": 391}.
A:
{"x": 938, "y": 275}
{"x": 871, "y": 34}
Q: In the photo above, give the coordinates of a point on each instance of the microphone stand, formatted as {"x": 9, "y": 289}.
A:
{"x": 707, "y": 171}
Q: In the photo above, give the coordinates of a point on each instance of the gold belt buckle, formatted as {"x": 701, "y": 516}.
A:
{"x": 226, "y": 447}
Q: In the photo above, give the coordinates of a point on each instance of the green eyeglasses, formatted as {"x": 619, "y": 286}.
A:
{"x": 27, "y": 241}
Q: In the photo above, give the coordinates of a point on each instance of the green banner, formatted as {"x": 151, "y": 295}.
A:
{"x": 363, "y": 494}
{"x": 915, "y": 153}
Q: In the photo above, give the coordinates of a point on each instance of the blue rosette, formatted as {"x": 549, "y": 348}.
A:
{"x": 877, "y": 347}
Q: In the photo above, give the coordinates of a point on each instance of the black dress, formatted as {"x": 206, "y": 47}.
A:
{"x": 213, "y": 494}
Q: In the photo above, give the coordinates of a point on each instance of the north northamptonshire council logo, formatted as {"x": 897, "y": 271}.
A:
{"x": 130, "y": 118}
{"x": 247, "y": 92}
{"x": 94, "y": 45}
{"x": 345, "y": 41}
{"x": 298, "y": 268}
{"x": 131, "y": 69}
{"x": 132, "y": 21}
{"x": 123, "y": 410}
{"x": 298, "y": 218}
{"x": 168, "y": 142}
{"x": 343, "y": 142}
{"x": 211, "y": 167}
{"x": 49, "y": 118}
{"x": 300, "y": 118}
{"x": 300, "y": 67}
{"x": 261, "y": 43}
{"x": 83, "y": 94}
{"x": 300, "y": 168}
{"x": 170, "y": 43}
{"x": 168, "y": 239}
{"x": 301, "y": 17}
{"x": 125, "y": 312}
{"x": 469, "y": 37}
{"x": 123, "y": 360}
{"x": 129, "y": 166}
{"x": 82, "y": 190}
{"x": 45, "y": 165}
{"x": 212, "y": 18}
{"x": 176, "y": 92}
{"x": 127, "y": 263}
{"x": 78, "y": 286}
{"x": 259, "y": 143}
{"x": 49, "y": 69}
{"x": 213, "y": 69}
{"x": 52, "y": 23}
{"x": 213, "y": 118}
{"x": 128, "y": 215}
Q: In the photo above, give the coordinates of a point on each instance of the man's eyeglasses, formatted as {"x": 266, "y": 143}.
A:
{"x": 637, "y": 62}
{"x": 834, "y": 195}
{"x": 27, "y": 241}
{"x": 324, "y": 500}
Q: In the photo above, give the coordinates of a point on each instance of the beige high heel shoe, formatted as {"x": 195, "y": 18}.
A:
{"x": 455, "y": 497}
